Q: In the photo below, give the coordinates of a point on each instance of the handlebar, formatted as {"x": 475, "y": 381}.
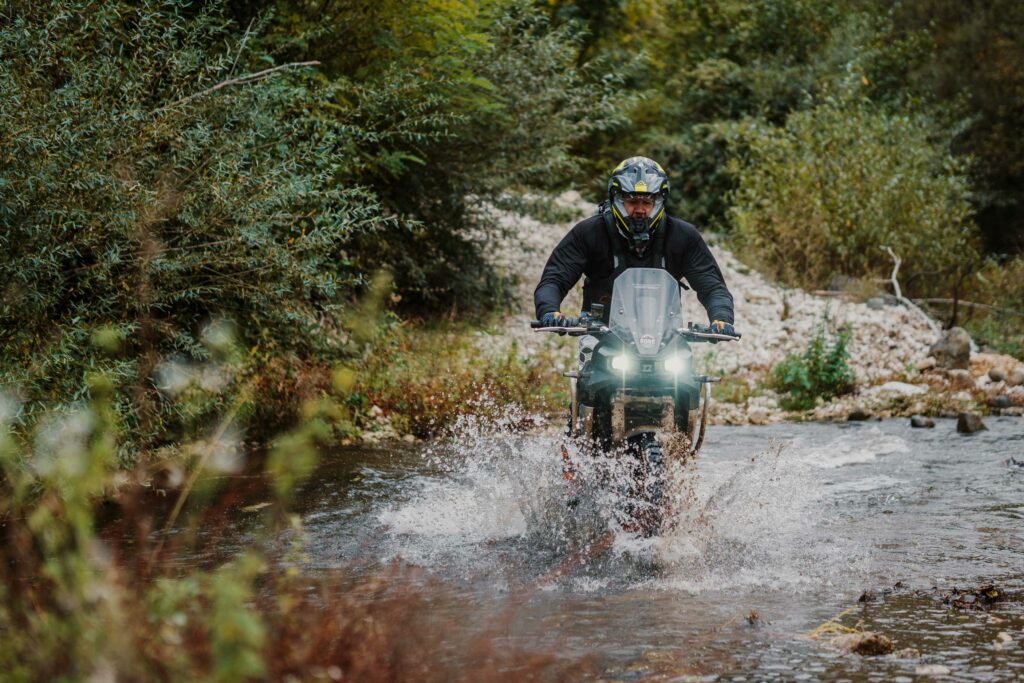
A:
{"x": 692, "y": 332}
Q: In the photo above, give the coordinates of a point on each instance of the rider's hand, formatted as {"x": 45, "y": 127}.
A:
{"x": 556, "y": 319}
{"x": 722, "y": 327}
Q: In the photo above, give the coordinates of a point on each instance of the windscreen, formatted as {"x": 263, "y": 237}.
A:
{"x": 645, "y": 308}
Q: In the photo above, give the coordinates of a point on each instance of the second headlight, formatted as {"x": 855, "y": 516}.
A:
{"x": 675, "y": 364}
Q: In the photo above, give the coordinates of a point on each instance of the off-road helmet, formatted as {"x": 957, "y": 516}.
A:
{"x": 638, "y": 176}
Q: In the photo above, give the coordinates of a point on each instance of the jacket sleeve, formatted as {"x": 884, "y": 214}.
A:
{"x": 702, "y": 272}
{"x": 561, "y": 273}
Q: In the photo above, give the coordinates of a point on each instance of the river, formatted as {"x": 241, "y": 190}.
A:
{"x": 780, "y": 528}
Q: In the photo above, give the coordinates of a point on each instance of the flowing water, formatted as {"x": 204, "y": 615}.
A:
{"x": 794, "y": 522}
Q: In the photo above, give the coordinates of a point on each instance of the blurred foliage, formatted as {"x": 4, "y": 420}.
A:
{"x": 820, "y": 373}
{"x": 88, "y": 591}
{"x": 821, "y": 197}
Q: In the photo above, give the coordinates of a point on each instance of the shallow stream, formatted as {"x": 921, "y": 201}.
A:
{"x": 793, "y": 522}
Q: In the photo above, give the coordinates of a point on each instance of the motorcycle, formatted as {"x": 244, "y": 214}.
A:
{"x": 636, "y": 388}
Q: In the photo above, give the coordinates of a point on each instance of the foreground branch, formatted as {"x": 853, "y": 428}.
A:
{"x": 241, "y": 80}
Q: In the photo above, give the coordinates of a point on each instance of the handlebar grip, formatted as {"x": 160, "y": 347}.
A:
{"x": 534, "y": 324}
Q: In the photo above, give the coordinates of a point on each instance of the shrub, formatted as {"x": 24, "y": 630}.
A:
{"x": 821, "y": 196}
{"x": 820, "y": 372}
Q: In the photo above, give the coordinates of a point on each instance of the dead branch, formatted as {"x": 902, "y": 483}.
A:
{"x": 241, "y": 80}
{"x": 970, "y": 304}
{"x": 932, "y": 325}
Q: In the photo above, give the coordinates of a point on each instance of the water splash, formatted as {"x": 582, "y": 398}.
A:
{"x": 501, "y": 504}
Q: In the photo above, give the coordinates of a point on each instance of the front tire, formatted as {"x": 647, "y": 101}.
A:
{"x": 646, "y": 500}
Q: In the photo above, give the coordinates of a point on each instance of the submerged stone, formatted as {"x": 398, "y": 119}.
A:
{"x": 865, "y": 643}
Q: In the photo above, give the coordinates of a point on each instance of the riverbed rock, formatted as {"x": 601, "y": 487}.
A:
{"x": 899, "y": 389}
{"x": 758, "y": 415}
{"x": 1016, "y": 377}
{"x": 907, "y": 653}
{"x": 1000, "y": 402}
{"x": 858, "y": 414}
{"x": 933, "y": 670}
{"x": 960, "y": 380}
{"x": 926, "y": 363}
{"x": 865, "y": 643}
{"x": 969, "y": 423}
{"x": 953, "y": 349}
{"x": 996, "y": 375}
{"x": 922, "y": 422}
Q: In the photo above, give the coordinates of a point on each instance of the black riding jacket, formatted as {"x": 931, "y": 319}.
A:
{"x": 588, "y": 250}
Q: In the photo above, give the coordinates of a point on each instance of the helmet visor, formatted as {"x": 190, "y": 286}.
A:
{"x": 642, "y": 210}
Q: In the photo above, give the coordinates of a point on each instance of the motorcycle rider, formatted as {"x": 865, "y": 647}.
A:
{"x": 631, "y": 230}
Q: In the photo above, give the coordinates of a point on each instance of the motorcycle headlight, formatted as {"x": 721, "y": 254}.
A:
{"x": 620, "y": 362}
{"x": 675, "y": 364}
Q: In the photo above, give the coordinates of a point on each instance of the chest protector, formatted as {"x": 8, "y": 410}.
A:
{"x": 598, "y": 289}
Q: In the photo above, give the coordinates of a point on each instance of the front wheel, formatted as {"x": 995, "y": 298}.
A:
{"x": 645, "y": 505}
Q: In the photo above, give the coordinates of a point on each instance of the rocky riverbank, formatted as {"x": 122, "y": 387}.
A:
{"x": 900, "y": 369}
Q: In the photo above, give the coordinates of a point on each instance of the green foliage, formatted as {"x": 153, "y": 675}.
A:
{"x": 822, "y": 196}
{"x": 139, "y": 199}
{"x": 821, "y": 372}
{"x": 128, "y": 206}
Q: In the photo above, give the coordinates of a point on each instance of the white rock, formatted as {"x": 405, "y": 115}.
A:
{"x": 933, "y": 670}
{"x": 900, "y": 388}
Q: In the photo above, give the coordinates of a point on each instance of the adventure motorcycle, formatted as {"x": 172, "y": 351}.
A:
{"x": 636, "y": 387}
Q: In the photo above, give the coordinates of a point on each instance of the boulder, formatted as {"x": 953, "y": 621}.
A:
{"x": 876, "y": 303}
{"x": 968, "y": 423}
{"x": 922, "y": 422}
{"x": 996, "y": 375}
{"x": 953, "y": 349}
{"x": 925, "y": 363}
{"x": 758, "y": 415}
{"x": 1016, "y": 377}
{"x": 864, "y": 643}
{"x": 960, "y": 380}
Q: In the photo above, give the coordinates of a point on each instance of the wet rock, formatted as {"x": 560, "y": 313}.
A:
{"x": 969, "y": 423}
{"x": 933, "y": 670}
{"x": 858, "y": 414}
{"x": 1016, "y": 377}
{"x": 953, "y": 349}
{"x": 960, "y": 379}
{"x": 996, "y": 375}
{"x": 926, "y": 363}
{"x": 907, "y": 653}
{"x": 1001, "y": 401}
{"x": 922, "y": 422}
{"x": 973, "y": 599}
{"x": 865, "y": 643}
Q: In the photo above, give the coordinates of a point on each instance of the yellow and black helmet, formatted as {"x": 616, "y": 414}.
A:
{"x": 638, "y": 176}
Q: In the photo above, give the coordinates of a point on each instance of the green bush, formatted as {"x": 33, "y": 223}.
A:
{"x": 820, "y": 372}
{"x": 823, "y": 195}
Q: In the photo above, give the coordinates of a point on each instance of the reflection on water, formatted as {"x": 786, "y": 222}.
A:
{"x": 792, "y": 521}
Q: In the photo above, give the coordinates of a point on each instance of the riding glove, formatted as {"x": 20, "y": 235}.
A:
{"x": 722, "y": 327}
